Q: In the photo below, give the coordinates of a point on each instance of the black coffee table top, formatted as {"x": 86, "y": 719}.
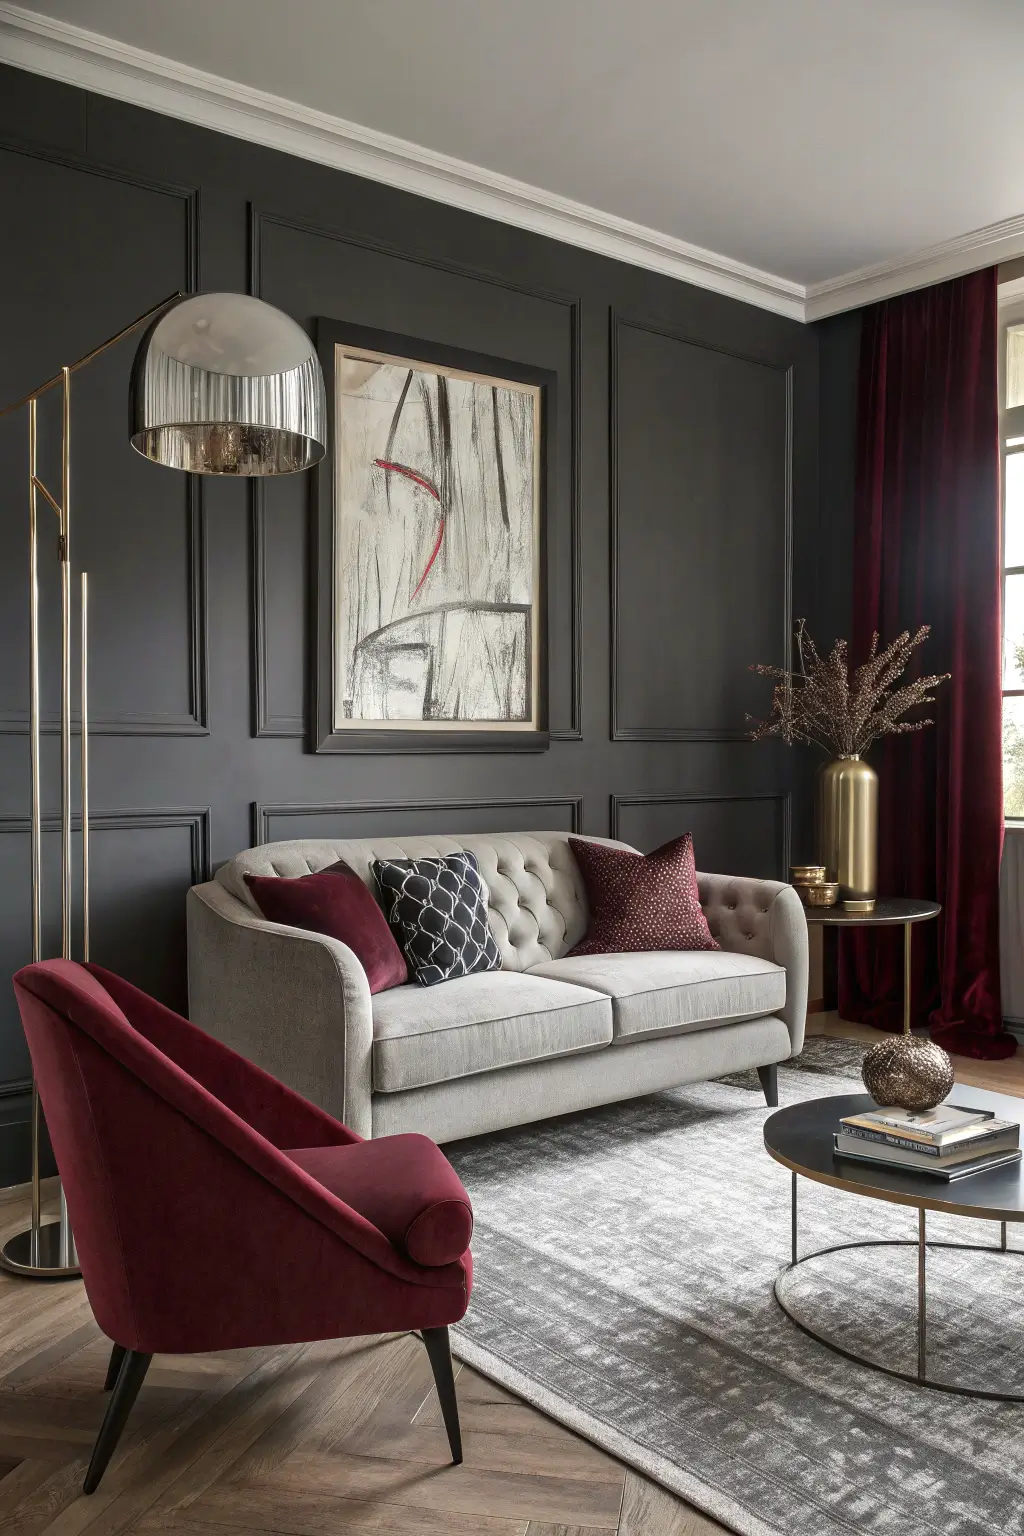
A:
{"x": 888, "y": 909}
{"x": 800, "y": 1137}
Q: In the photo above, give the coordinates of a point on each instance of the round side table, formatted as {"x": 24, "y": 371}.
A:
{"x": 890, "y": 912}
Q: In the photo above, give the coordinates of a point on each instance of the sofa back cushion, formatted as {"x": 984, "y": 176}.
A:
{"x": 537, "y": 902}
{"x": 438, "y": 911}
{"x": 641, "y": 902}
{"x": 336, "y": 902}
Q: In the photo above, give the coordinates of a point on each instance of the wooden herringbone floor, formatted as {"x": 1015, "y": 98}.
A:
{"x": 341, "y": 1437}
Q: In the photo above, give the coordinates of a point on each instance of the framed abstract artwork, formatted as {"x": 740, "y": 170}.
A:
{"x": 430, "y": 548}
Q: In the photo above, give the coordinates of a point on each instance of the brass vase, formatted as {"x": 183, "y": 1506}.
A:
{"x": 848, "y": 826}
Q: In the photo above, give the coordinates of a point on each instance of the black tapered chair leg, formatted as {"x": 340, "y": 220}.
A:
{"x": 126, "y": 1389}
{"x": 117, "y": 1354}
{"x": 440, "y": 1356}
{"x": 770, "y": 1083}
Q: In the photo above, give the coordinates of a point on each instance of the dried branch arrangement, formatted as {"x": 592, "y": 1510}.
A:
{"x": 823, "y": 704}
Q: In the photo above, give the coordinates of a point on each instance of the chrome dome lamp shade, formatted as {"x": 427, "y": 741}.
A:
{"x": 224, "y": 384}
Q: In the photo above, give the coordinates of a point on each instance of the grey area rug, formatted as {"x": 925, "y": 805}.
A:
{"x": 624, "y": 1262}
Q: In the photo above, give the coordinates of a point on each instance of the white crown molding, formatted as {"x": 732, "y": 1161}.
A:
{"x": 45, "y": 46}
{"x": 54, "y": 48}
{"x": 967, "y": 253}
{"x": 1010, "y": 294}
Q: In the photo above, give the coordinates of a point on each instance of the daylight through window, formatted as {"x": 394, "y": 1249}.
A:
{"x": 1012, "y": 421}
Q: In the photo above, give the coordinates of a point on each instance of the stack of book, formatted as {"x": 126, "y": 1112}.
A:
{"x": 948, "y": 1142}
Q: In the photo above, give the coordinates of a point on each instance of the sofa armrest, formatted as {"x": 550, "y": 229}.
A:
{"x": 295, "y": 1003}
{"x": 765, "y": 918}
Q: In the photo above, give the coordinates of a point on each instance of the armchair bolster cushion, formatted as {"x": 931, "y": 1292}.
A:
{"x": 405, "y": 1186}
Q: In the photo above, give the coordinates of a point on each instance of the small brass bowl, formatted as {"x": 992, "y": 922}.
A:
{"x": 806, "y": 874}
{"x": 824, "y": 894}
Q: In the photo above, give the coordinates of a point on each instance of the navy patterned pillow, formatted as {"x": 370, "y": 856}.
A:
{"x": 437, "y": 908}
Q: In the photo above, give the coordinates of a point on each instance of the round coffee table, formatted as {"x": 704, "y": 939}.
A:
{"x": 800, "y": 1138}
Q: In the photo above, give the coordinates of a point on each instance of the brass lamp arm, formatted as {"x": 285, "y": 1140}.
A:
{"x": 103, "y": 347}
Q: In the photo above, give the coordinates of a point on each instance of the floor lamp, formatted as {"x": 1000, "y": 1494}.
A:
{"x": 222, "y": 384}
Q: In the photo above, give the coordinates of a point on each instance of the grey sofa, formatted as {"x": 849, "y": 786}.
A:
{"x": 544, "y": 1035}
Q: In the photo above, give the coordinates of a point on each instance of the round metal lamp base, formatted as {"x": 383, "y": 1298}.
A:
{"x": 39, "y": 1261}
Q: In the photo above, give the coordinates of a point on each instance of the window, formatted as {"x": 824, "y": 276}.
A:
{"x": 1011, "y": 386}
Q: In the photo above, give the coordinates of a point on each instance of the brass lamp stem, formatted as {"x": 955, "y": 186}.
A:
{"x": 84, "y": 659}
{"x": 65, "y": 671}
{"x": 48, "y": 1251}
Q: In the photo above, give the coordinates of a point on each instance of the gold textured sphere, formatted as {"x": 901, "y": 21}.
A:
{"x": 908, "y": 1072}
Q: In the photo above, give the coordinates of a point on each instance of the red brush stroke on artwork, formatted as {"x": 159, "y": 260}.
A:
{"x": 433, "y": 557}
{"x": 410, "y": 474}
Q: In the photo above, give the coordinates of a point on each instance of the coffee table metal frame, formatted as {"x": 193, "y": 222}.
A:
{"x": 918, "y": 1192}
{"x": 921, "y": 1377}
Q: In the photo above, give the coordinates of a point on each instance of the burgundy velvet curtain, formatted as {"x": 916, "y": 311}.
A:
{"x": 927, "y": 551}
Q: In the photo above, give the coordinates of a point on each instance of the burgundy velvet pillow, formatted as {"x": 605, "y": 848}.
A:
{"x": 641, "y": 902}
{"x": 335, "y": 902}
{"x": 405, "y": 1186}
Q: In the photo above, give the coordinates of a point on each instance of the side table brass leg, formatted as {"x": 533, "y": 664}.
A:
{"x": 907, "y": 930}
{"x": 793, "y": 1221}
{"x": 922, "y": 1298}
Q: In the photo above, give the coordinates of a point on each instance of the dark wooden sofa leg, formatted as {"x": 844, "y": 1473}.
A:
{"x": 770, "y": 1084}
{"x": 126, "y": 1389}
{"x": 117, "y": 1354}
{"x": 440, "y": 1356}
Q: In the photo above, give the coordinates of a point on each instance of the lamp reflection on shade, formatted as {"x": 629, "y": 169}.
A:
{"x": 224, "y": 384}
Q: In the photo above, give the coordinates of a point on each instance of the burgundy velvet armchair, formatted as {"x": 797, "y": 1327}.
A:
{"x": 214, "y": 1208}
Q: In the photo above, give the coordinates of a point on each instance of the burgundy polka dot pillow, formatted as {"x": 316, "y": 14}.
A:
{"x": 641, "y": 902}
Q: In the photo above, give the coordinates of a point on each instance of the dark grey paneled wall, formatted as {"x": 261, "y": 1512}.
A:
{"x": 839, "y": 353}
{"x": 701, "y": 517}
{"x": 828, "y": 605}
{"x": 750, "y": 833}
{"x": 686, "y": 427}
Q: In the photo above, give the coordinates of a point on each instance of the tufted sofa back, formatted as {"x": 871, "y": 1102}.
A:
{"x": 538, "y": 906}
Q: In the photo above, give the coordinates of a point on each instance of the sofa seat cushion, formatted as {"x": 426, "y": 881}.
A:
{"x": 668, "y": 992}
{"x": 492, "y": 1019}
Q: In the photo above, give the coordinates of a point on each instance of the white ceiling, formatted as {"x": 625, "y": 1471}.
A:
{"x": 806, "y": 139}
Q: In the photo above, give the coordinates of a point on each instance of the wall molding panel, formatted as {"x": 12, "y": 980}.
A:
{"x": 261, "y": 814}
{"x": 196, "y": 820}
{"x": 154, "y": 884}
{"x": 141, "y": 723}
{"x": 651, "y": 732}
{"x": 189, "y": 195}
{"x": 782, "y": 800}
{"x": 266, "y": 724}
{"x": 197, "y": 721}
